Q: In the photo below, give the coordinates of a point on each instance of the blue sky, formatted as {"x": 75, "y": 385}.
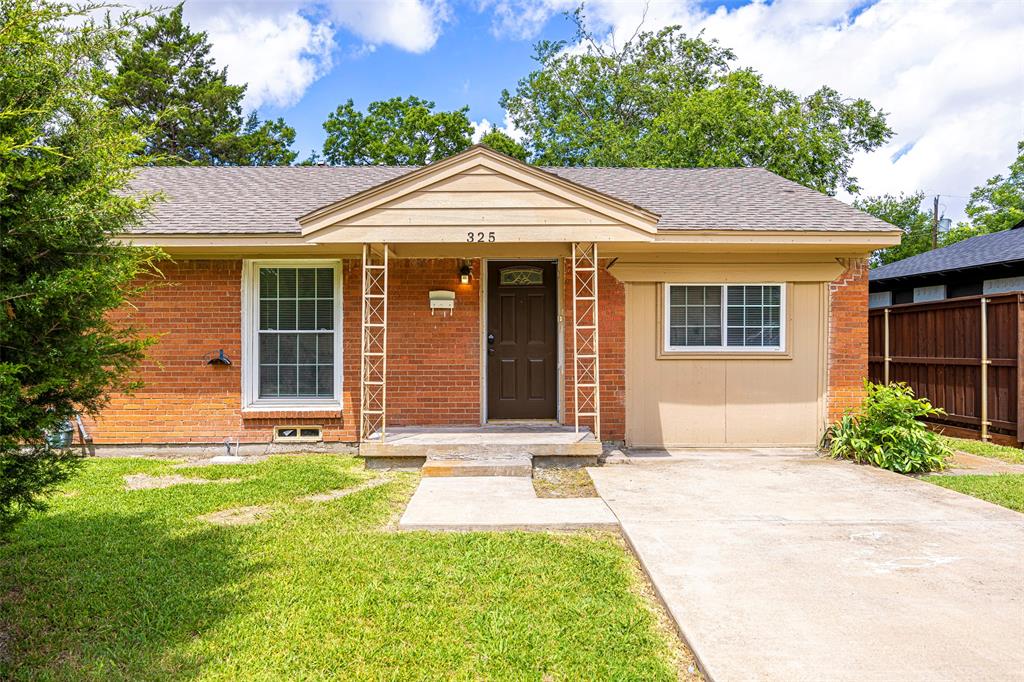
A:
{"x": 467, "y": 66}
{"x": 948, "y": 72}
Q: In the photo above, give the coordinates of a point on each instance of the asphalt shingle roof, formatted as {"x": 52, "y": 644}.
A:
{"x": 269, "y": 200}
{"x": 985, "y": 249}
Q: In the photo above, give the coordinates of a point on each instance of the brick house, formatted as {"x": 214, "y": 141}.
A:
{"x": 672, "y": 307}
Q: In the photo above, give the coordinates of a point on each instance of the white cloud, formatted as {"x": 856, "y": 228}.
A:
{"x": 950, "y": 74}
{"x": 484, "y": 126}
{"x": 280, "y": 48}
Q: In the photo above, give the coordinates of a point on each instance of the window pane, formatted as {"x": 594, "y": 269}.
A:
{"x": 286, "y": 314}
{"x": 268, "y": 314}
{"x": 695, "y": 315}
{"x": 753, "y": 316}
{"x": 286, "y": 283}
{"x": 307, "y": 349}
{"x": 325, "y": 348}
{"x": 268, "y": 282}
{"x": 307, "y": 380}
{"x": 307, "y": 283}
{"x": 299, "y": 362}
{"x": 325, "y": 314}
{"x": 325, "y": 283}
{"x": 307, "y": 315}
{"x": 325, "y": 380}
{"x": 288, "y": 343}
{"x": 268, "y": 349}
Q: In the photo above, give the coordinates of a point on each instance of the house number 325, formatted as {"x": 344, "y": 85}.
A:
{"x": 479, "y": 237}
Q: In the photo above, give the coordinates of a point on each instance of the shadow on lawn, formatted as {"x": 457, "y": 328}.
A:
{"x": 113, "y": 595}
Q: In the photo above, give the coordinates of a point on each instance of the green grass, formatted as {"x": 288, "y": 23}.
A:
{"x": 977, "y": 447}
{"x": 113, "y": 584}
{"x": 1002, "y": 489}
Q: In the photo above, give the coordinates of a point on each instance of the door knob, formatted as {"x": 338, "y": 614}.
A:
{"x": 490, "y": 339}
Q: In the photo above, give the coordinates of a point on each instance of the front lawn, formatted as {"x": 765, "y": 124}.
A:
{"x": 1002, "y": 489}
{"x": 132, "y": 584}
{"x": 977, "y": 447}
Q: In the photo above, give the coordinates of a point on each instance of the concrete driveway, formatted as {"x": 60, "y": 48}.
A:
{"x": 788, "y": 567}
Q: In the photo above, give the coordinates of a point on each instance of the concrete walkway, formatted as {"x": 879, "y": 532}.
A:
{"x": 966, "y": 464}
{"x": 497, "y": 503}
{"x": 795, "y": 567}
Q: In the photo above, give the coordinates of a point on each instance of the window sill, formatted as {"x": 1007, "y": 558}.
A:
{"x": 724, "y": 355}
{"x": 328, "y": 411}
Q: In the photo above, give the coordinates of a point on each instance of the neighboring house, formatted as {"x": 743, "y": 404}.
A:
{"x": 731, "y": 303}
{"x": 986, "y": 264}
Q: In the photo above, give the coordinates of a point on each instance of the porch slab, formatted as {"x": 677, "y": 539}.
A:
{"x": 540, "y": 440}
{"x": 498, "y": 503}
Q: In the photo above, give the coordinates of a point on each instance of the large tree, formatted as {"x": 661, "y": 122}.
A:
{"x": 167, "y": 81}
{"x": 999, "y": 203}
{"x": 903, "y": 211}
{"x": 500, "y": 141}
{"x": 666, "y": 99}
{"x": 65, "y": 159}
{"x": 399, "y": 131}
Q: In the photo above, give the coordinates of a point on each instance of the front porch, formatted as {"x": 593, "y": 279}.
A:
{"x": 407, "y": 446}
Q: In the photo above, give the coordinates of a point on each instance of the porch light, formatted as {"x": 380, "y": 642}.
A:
{"x": 464, "y": 272}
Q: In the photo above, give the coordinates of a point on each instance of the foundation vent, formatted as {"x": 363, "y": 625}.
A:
{"x": 298, "y": 434}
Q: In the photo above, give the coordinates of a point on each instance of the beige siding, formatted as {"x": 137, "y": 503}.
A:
{"x": 727, "y": 401}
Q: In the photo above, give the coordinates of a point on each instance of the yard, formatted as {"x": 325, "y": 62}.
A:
{"x": 113, "y": 583}
{"x": 1005, "y": 489}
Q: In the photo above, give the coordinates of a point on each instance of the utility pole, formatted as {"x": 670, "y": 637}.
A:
{"x": 935, "y": 223}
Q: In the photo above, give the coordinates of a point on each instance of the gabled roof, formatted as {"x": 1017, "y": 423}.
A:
{"x": 271, "y": 200}
{"x": 1006, "y": 247}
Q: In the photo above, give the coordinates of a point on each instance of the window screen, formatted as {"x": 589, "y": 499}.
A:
{"x": 296, "y": 332}
{"x": 711, "y": 316}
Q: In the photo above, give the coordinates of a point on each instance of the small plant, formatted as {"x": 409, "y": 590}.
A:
{"x": 886, "y": 432}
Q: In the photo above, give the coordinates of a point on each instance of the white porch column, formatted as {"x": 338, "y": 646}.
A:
{"x": 373, "y": 363}
{"x": 586, "y": 374}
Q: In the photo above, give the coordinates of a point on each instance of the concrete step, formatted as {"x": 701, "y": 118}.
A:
{"x": 505, "y": 465}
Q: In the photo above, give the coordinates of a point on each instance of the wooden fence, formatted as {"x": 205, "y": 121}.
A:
{"x": 964, "y": 354}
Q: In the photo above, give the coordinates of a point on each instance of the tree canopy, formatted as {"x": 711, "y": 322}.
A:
{"x": 65, "y": 159}
{"x": 665, "y": 99}
{"x": 500, "y": 141}
{"x": 167, "y": 81}
{"x": 903, "y": 211}
{"x": 999, "y": 203}
{"x": 398, "y": 131}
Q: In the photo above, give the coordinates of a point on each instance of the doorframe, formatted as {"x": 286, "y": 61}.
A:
{"x": 559, "y": 330}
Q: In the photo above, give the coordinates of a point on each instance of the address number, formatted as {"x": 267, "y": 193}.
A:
{"x": 478, "y": 237}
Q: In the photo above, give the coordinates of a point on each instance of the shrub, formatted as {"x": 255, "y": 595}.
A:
{"x": 886, "y": 432}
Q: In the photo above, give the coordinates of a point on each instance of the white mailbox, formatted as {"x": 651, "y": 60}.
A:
{"x": 443, "y": 301}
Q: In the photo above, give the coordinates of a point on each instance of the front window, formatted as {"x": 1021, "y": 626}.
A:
{"x": 727, "y": 317}
{"x": 293, "y": 335}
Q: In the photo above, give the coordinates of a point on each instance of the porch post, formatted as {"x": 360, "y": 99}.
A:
{"x": 586, "y": 374}
{"x": 373, "y": 360}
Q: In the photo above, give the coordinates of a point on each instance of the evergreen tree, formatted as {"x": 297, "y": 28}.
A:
{"x": 167, "y": 81}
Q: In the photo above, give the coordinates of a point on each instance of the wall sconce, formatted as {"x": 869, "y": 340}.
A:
{"x": 465, "y": 272}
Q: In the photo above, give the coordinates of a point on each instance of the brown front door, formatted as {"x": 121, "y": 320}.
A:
{"x": 522, "y": 344}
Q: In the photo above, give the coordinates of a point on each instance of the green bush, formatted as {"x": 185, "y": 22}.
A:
{"x": 886, "y": 432}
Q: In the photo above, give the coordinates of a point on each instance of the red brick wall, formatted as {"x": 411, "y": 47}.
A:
{"x": 848, "y": 339}
{"x": 433, "y": 360}
{"x": 197, "y": 311}
{"x": 612, "y": 352}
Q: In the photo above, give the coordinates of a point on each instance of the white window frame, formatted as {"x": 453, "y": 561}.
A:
{"x": 250, "y": 340}
{"x": 666, "y": 319}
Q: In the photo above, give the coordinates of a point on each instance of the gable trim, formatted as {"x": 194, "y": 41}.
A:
{"x": 475, "y": 158}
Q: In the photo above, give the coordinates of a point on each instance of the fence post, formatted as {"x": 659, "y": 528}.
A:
{"x": 886, "y": 352}
{"x": 984, "y": 369}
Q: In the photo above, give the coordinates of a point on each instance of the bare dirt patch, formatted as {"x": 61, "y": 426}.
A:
{"x": 147, "y": 482}
{"x": 238, "y": 516}
{"x": 345, "y": 492}
{"x": 563, "y": 482}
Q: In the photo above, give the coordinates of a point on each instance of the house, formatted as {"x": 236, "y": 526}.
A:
{"x": 656, "y": 307}
{"x": 986, "y": 264}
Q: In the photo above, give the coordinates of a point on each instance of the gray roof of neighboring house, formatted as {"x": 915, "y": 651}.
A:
{"x": 985, "y": 249}
{"x": 266, "y": 200}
